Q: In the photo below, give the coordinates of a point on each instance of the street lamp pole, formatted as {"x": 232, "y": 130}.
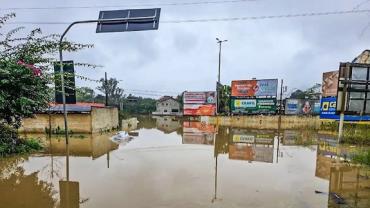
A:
{"x": 219, "y": 72}
{"x": 116, "y": 20}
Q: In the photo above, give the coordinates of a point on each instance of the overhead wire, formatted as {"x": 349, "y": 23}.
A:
{"x": 130, "y": 5}
{"x": 228, "y": 19}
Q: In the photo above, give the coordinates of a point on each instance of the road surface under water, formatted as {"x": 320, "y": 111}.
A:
{"x": 173, "y": 163}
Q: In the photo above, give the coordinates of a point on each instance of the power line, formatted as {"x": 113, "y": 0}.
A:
{"x": 154, "y": 91}
{"x": 129, "y": 5}
{"x": 227, "y": 19}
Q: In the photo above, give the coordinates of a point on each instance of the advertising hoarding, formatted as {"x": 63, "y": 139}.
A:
{"x": 254, "y": 106}
{"x": 208, "y": 97}
{"x": 302, "y": 107}
{"x": 199, "y": 103}
{"x": 328, "y": 111}
{"x": 330, "y": 83}
{"x": 254, "y": 88}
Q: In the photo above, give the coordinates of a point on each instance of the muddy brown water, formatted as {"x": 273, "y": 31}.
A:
{"x": 173, "y": 163}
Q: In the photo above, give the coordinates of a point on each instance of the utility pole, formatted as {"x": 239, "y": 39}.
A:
{"x": 219, "y": 72}
{"x": 106, "y": 89}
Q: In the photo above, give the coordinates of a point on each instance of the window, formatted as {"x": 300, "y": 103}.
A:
{"x": 175, "y": 110}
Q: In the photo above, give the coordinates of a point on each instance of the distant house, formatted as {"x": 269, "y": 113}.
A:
{"x": 167, "y": 105}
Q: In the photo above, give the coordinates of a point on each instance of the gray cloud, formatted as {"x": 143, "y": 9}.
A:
{"x": 184, "y": 56}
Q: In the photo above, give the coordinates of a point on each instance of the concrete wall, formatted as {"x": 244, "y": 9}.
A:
{"x": 104, "y": 119}
{"x": 99, "y": 119}
{"x": 77, "y": 123}
{"x": 265, "y": 122}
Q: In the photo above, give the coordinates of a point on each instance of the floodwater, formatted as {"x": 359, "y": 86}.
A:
{"x": 182, "y": 164}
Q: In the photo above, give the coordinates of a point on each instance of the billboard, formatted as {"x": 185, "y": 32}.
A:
{"x": 328, "y": 111}
{"x": 254, "y": 88}
{"x": 199, "y": 103}
{"x": 254, "y": 106}
{"x": 208, "y": 97}
{"x": 330, "y": 83}
{"x": 302, "y": 107}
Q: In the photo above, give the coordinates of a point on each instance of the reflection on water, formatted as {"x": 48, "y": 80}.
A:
{"x": 172, "y": 158}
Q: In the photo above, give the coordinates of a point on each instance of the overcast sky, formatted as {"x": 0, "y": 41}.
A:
{"x": 184, "y": 56}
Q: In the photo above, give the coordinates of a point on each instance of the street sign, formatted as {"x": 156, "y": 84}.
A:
{"x": 69, "y": 83}
{"x": 136, "y": 20}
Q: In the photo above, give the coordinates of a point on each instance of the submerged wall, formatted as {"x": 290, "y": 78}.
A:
{"x": 99, "y": 119}
{"x": 104, "y": 119}
{"x": 77, "y": 123}
{"x": 265, "y": 122}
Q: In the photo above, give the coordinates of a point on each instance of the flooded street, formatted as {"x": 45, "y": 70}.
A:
{"x": 175, "y": 163}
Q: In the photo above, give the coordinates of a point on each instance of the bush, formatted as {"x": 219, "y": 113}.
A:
{"x": 362, "y": 158}
{"x": 11, "y": 144}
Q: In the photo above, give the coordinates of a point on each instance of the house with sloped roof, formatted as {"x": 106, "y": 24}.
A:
{"x": 167, "y": 105}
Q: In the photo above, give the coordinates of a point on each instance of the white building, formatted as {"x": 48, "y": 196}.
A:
{"x": 167, "y": 105}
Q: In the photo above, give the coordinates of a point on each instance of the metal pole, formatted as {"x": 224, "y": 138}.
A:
{"x": 219, "y": 61}
{"x": 63, "y": 90}
{"x": 119, "y": 20}
{"x": 106, "y": 89}
{"x": 218, "y": 77}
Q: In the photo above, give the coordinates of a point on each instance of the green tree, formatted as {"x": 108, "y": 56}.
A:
{"x": 224, "y": 104}
{"x": 313, "y": 92}
{"x": 85, "y": 94}
{"x": 26, "y": 74}
{"x": 114, "y": 92}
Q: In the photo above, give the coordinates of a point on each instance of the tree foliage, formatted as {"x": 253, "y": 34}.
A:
{"x": 114, "y": 92}
{"x": 313, "y": 92}
{"x": 26, "y": 65}
{"x": 85, "y": 94}
{"x": 26, "y": 79}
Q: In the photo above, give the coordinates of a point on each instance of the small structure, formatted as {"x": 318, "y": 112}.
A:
{"x": 82, "y": 118}
{"x": 167, "y": 105}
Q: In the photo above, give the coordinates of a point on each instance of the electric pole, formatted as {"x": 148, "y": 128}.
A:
{"x": 219, "y": 73}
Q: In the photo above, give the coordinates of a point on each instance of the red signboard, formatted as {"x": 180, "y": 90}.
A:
{"x": 199, "y": 110}
{"x": 254, "y": 88}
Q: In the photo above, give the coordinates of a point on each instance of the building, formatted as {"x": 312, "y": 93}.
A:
{"x": 167, "y": 105}
{"x": 82, "y": 118}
